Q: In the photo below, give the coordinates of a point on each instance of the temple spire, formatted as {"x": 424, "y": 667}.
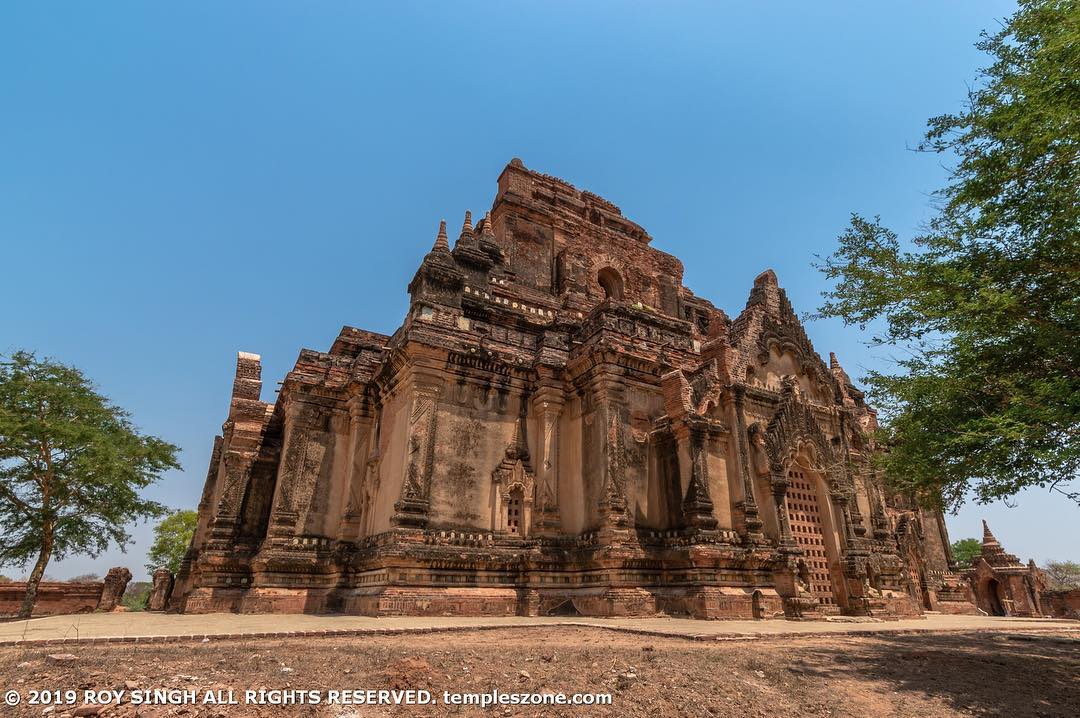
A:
{"x": 988, "y": 537}
{"x": 441, "y": 241}
{"x": 467, "y": 228}
{"x": 486, "y": 227}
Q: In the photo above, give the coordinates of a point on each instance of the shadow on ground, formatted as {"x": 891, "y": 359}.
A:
{"x": 997, "y": 675}
{"x": 992, "y": 675}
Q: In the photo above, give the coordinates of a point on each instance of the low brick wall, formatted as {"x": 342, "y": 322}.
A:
{"x": 53, "y": 597}
{"x": 1061, "y": 604}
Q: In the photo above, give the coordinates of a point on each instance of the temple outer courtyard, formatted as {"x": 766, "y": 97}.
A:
{"x": 939, "y": 666}
{"x": 150, "y": 626}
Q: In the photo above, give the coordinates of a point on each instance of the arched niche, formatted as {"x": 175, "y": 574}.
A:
{"x": 514, "y": 489}
{"x": 611, "y": 282}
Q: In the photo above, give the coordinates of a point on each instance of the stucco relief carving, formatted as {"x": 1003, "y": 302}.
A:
{"x": 546, "y": 489}
{"x": 290, "y": 468}
{"x": 237, "y": 471}
{"x": 421, "y": 445}
{"x": 785, "y": 334}
{"x": 759, "y": 455}
{"x": 311, "y": 467}
{"x": 792, "y": 427}
{"x": 613, "y": 498}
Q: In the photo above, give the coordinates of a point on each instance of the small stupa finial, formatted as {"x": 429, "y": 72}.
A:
{"x": 441, "y": 241}
{"x": 467, "y": 228}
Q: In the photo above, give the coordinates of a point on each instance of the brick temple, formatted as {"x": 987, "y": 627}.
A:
{"x": 561, "y": 427}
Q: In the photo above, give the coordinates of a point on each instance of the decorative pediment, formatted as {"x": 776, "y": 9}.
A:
{"x": 515, "y": 475}
{"x": 792, "y": 427}
{"x": 780, "y": 331}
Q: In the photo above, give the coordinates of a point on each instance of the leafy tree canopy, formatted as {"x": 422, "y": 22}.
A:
{"x": 172, "y": 536}
{"x": 71, "y": 467}
{"x": 985, "y": 305}
{"x": 136, "y": 596}
{"x": 1062, "y": 574}
{"x": 965, "y": 551}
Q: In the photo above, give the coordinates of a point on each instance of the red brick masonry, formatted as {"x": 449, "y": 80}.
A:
{"x": 54, "y": 597}
{"x": 1062, "y": 604}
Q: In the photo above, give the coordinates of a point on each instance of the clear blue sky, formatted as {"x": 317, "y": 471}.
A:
{"x": 179, "y": 181}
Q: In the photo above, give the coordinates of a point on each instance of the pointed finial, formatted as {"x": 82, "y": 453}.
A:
{"x": 487, "y": 228}
{"x": 467, "y": 229}
{"x": 518, "y": 448}
{"x": 988, "y": 538}
{"x": 834, "y": 363}
{"x": 441, "y": 241}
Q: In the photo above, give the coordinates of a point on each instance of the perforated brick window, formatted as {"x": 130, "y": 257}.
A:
{"x": 513, "y": 512}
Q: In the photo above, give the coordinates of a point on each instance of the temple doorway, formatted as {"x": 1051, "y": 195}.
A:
{"x": 811, "y": 527}
{"x": 993, "y": 598}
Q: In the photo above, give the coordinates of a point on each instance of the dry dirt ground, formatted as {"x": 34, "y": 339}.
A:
{"x": 1006, "y": 674}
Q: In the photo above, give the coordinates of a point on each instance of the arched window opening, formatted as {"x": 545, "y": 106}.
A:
{"x": 611, "y": 283}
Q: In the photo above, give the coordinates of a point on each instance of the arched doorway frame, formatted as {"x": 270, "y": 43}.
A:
{"x": 794, "y": 432}
{"x": 994, "y": 603}
{"x": 813, "y": 519}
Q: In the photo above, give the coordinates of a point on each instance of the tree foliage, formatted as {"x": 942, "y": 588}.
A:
{"x": 965, "y": 551}
{"x": 1062, "y": 574}
{"x": 985, "y": 305}
{"x": 172, "y": 536}
{"x": 71, "y": 467}
{"x": 137, "y": 595}
{"x": 84, "y": 578}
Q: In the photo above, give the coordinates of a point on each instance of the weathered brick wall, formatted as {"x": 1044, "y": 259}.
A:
{"x": 1061, "y": 604}
{"x": 54, "y": 597}
{"x": 524, "y": 390}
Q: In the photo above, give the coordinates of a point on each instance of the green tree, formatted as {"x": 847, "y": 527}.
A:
{"x": 137, "y": 595}
{"x": 172, "y": 536}
{"x": 71, "y": 467}
{"x": 985, "y": 305}
{"x": 965, "y": 551}
{"x": 1062, "y": 574}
